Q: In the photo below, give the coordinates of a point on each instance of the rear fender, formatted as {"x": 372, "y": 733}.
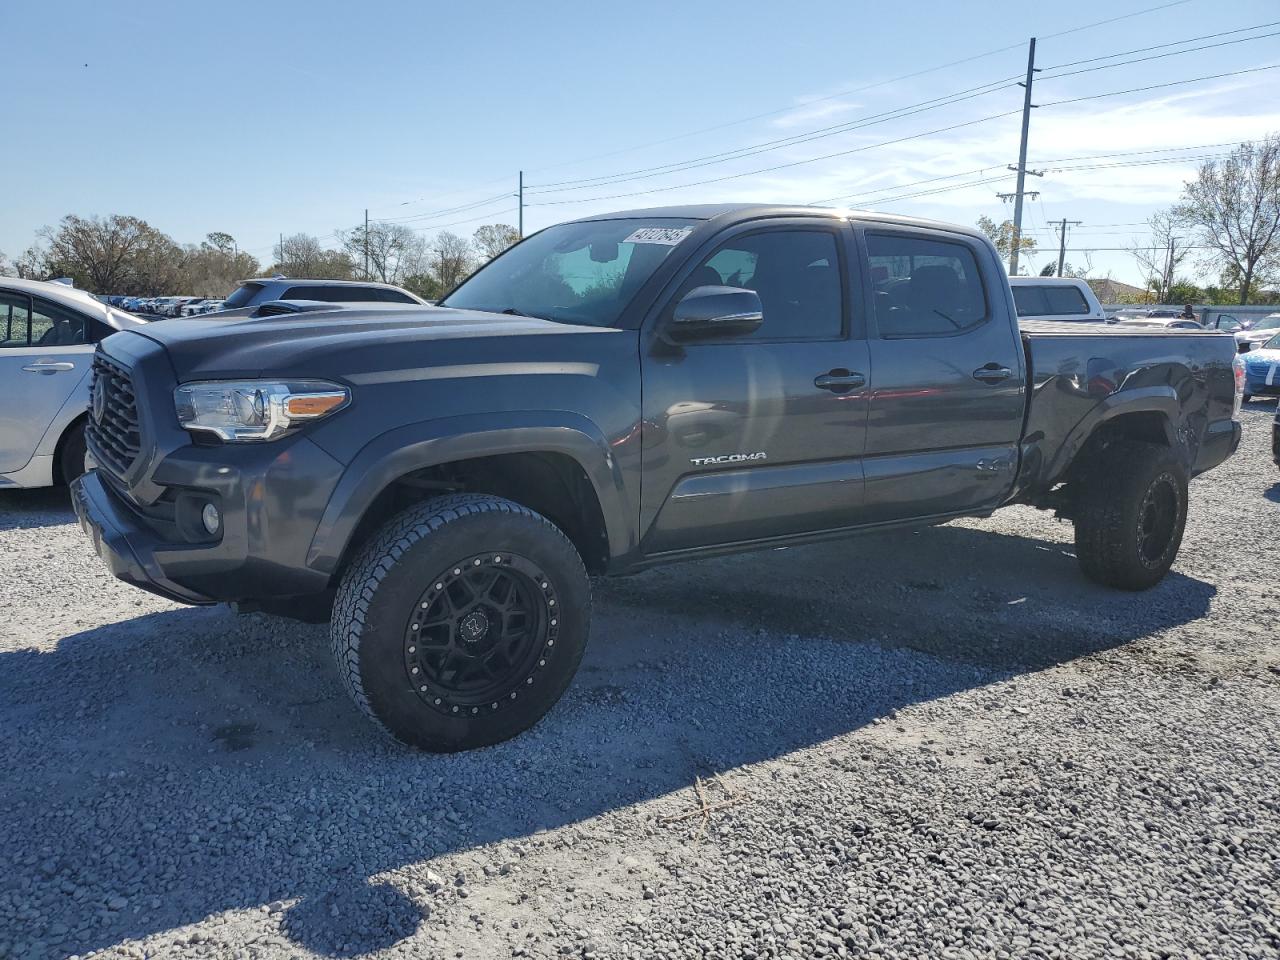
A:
{"x": 416, "y": 446}
{"x": 1160, "y": 400}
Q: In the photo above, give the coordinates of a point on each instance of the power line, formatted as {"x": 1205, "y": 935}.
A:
{"x": 1123, "y": 16}
{"x": 1158, "y": 56}
{"x": 783, "y": 166}
{"x": 960, "y": 96}
{"x": 870, "y": 86}
{"x": 802, "y": 104}
{"x": 928, "y": 193}
{"x": 1159, "y": 86}
{"x": 462, "y": 208}
{"x": 1161, "y": 46}
{"x": 1040, "y": 163}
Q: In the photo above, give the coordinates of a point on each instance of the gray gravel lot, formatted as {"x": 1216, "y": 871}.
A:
{"x": 940, "y": 744}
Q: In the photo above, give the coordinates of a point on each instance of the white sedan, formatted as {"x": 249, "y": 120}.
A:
{"x": 48, "y": 333}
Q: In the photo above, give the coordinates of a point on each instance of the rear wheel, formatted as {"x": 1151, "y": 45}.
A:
{"x": 462, "y": 622}
{"x": 72, "y": 456}
{"x": 1131, "y": 515}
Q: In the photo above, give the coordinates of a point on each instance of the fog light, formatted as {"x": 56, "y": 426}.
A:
{"x": 212, "y": 519}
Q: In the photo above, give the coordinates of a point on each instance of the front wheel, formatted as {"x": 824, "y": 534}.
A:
{"x": 462, "y": 622}
{"x": 1131, "y": 515}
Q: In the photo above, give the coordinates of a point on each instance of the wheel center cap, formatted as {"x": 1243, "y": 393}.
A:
{"x": 474, "y": 626}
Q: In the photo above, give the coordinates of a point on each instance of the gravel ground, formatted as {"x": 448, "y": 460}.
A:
{"x": 940, "y": 744}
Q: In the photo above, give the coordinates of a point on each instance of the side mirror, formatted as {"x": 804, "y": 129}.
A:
{"x": 711, "y": 312}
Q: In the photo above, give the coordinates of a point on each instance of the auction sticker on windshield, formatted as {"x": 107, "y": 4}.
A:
{"x": 668, "y": 236}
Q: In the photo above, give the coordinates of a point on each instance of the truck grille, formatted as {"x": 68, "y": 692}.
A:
{"x": 112, "y": 432}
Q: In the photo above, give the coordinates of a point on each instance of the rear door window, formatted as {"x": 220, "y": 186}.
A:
{"x": 56, "y": 326}
{"x": 924, "y": 287}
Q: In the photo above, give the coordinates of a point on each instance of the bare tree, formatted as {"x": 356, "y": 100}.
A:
{"x": 33, "y": 264}
{"x": 452, "y": 258}
{"x": 1169, "y": 246}
{"x": 215, "y": 266}
{"x": 493, "y": 238}
{"x": 394, "y": 250}
{"x": 1234, "y": 206}
{"x": 111, "y": 254}
{"x": 302, "y": 256}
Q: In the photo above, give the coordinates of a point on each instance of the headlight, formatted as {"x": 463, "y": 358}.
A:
{"x": 255, "y": 409}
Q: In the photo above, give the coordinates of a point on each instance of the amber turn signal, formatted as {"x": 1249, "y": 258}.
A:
{"x": 313, "y": 404}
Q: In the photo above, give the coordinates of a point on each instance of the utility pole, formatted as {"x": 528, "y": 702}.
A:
{"x": 1022, "y": 159}
{"x": 520, "y": 229}
{"x": 366, "y": 243}
{"x": 1168, "y": 271}
{"x": 280, "y": 258}
{"x": 1062, "y": 241}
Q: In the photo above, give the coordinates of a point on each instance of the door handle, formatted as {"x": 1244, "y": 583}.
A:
{"x": 47, "y": 366}
{"x": 992, "y": 373}
{"x": 840, "y": 381}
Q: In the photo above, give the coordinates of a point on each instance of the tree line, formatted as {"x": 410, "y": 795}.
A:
{"x": 1225, "y": 226}
{"x": 126, "y": 255}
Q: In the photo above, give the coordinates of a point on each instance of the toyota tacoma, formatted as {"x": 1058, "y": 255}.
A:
{"x": 613, "y": 393}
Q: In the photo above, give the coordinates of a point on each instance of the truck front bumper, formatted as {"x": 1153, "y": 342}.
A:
{"x": 270, "y": 498}
{"x": 108, "y": 524}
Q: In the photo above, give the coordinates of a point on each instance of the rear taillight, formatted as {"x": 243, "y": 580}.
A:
{"x": 1237, "y": 365}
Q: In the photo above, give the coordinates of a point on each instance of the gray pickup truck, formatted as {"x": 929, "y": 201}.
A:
{"x": 613, "y": 393}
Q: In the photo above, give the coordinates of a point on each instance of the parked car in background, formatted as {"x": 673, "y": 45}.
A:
{"x": 47, "y": 336}
{"x": 1250, "y": 334}
{"x": 1056, "y": 298}
{"x": 250, "y": 293}
{"x": 1262, "y": 369}
{"x": 200, "y": 305}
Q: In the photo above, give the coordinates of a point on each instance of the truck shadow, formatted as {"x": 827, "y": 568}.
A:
{"x": 190, "y": 762}
{"x": 28, "y": 509}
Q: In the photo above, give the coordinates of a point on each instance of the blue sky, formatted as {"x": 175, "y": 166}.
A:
{"x": 257, "y": 118}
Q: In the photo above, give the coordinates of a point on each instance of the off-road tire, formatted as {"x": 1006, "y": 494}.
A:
{"x": 1109, "y": 519}
{"x": 72, "y": 453}
{"x": 380, "y": 593}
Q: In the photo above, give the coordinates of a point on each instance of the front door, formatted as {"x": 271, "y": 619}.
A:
{"x": 948, "y": 386}
{"x": 762, "y": 435}
{"x": 44, "y": 356}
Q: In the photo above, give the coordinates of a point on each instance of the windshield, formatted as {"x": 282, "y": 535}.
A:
{"x": 574, "y": 272}
{"x": 1272, "y": 344}
{"x": 1268, "y": 323}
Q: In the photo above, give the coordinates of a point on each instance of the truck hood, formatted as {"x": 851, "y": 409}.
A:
{"x": 313, "y": 342}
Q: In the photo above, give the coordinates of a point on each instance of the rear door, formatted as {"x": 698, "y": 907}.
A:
{"x": 45, "y": 355}
{"x": 947, "y": 376}
{"x": 759, "y": 436}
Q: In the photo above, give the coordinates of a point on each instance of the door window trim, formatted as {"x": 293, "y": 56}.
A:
{"x": 837, "y": 229}
{"x": 916, "y": 233}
